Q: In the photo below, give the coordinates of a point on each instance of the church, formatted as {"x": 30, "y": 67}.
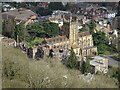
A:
{"x": 81, "y": 42}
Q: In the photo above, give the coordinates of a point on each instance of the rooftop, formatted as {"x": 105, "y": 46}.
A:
{"x": 55, "y": 38}
{"x": 97, "y": 60}
{"x": 56, "y": 12}
{"x": 21, "y": 14}
{"x": 81, "y": 34}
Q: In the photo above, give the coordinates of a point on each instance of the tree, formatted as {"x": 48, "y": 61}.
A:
{"x": 43, "y": 11}
{"x": 20, "y": 32}
{"x": 118, "y": 9}
{"x": 42, "y": 30}
{"x": 84, "y": 28}
{"x": 72, "y": 60}
{"x": 67, "y": 6}
{"x": 101, "y": 41}
{"x": 87, "y": 66}
{"x": 56, "y": 6}
{"x": 92, "y": 26}
{"x": 8, "y": 27}
{"x": 117, "y": 76}
{"x": 32, "y": 3}
{"x": 52, "y": 30}
{"x": 99, "y": 38}
{"x": 83, "y": 67}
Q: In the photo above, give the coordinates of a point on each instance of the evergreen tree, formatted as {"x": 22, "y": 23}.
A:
{"x": 56, "y": 6}
{"x": 67, "y": 6}
{"x": 72, "y": 60}
{"x": 20, "y": 32}
{"x": 83, "y": 67}
{"x": 92, "y": 26}
{"x": 41, "y": 11}
{"x": 8, "y": 27}
{"x": 118, "y": 9}
{"x": 87, "y": 66}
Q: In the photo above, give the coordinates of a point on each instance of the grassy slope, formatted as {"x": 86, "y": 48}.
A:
{"x": 0, "y": 26}
{"x": 30, "y": 73}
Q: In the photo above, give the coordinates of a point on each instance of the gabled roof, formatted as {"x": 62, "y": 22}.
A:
{"x": 20, "y": 14}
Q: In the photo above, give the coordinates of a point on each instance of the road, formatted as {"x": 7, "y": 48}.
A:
{"x": 113, "y": 61}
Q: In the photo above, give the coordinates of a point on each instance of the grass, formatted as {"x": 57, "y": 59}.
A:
{"x": 14, "y": 83}
{"x": 0, "y": 26}
{"x": 46, "y": 73}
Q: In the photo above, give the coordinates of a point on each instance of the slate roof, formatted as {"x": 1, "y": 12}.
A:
{"x": 54, "y": 39}
{"x": 20, "y": 14}
{"x": 81, "y": 34}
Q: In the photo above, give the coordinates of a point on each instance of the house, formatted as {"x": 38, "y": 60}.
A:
{"x": 116, "y": 27}
{"x": 113, "y": 38}
{"x": 20, "y": 15}
{"x": 110, "y": 14}
{"x": 43, "y": 18}
{"x": 7, "y": 7}
{"x": 100, "y": 64}
{"x": 58, "y": 15}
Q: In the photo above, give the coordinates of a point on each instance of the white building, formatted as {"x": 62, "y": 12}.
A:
{"x": 7, "y": 7}
{"x": 110, "y": 14}
{"x": 59, "y": 22}
{"x": 99, "y": 64}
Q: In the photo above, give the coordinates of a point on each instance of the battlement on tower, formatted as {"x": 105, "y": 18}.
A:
{"x": 70, "y": 19}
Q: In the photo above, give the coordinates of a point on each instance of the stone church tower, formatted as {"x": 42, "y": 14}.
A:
{"x": 70, "y": 29}
{"x": 73, "y": 33}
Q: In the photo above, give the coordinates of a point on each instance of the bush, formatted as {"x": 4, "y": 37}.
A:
{"x": 72, "y": 60}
